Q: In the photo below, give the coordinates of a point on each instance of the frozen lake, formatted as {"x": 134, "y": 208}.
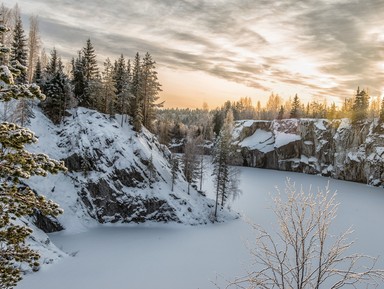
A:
{"x": 172, "y": 256}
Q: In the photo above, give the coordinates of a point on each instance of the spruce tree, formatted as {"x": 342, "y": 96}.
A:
{"x": 86, "y": 76}
{"x": 295, "y": 111}
{"x": 109, "y": 88}
{"x": 136, "y": 111}
{"x": 78, "y": 79}
{"x": 174, "y": 169}
{"x": 360, "y": 106}
{"x": 18, "y": 58}
{"x": 19, "y": 55}
{"x": 91, "y": 71}
{"x": 38, "y": 73}
{"x": 150, "y": 91}
{"x": 122, "y": 78}
{"x": 226, "y": 178}
{"x": 57, "y": 89}
{"x": 190, "y": 160}
{"x": 17, "y": 199}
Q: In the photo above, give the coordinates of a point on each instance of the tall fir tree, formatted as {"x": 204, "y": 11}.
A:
{"x": 150, "y": 91}
{"x": 136, "y": 111}
{"x": 226, "y": 178}
{"x": 38, "y": 73}
{"x": 19, "y": 55}
{"x": 78, "y": 79}
{"x": 19, "y": 60}
{"x": 57, "y": 89}
{"x": 17, "y": 199}
{"x": 109, "y": 88}
{"x": 86, "y": 78}
{"x": 91, "y": 70}
{"x": 360, "y": 106}
{"x": 122, "y": 80}
{"x": 295, "y": 110}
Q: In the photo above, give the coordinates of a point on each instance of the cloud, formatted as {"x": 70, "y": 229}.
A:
{"x": 320, "y": 46}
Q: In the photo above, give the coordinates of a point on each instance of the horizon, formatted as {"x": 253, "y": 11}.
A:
{"x": 214, "y": 51}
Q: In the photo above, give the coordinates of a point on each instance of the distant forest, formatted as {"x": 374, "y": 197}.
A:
{"x": 130, "y": 87}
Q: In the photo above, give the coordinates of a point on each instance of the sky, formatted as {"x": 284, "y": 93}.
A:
{"x": 217, "y": 50}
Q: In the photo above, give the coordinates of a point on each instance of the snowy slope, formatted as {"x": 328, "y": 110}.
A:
{"x": 109, "y": 176}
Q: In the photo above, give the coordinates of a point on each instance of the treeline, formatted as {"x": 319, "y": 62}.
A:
{"x": 173, "y": 125}
{"x": 123, "y": 86}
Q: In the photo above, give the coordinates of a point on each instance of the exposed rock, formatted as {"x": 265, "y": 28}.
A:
{"x": 47, "y": 224}
{"x": 123, "y": 176}
{"x": 329, "y": 148}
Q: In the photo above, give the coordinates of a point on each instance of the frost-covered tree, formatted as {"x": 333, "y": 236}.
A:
{"x": 226, "y": 177}
{"x": 17, "y": 199}
{"x": 303, "y": 252}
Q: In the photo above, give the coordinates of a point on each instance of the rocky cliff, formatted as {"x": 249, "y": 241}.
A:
{"x": 114, "y": 174}
{"x": 329, "y": 148}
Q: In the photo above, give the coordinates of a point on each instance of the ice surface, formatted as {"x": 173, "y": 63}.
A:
{"x": 153, "y": 256}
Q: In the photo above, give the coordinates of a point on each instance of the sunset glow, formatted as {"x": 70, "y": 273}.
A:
{"x": 213, "y": 51}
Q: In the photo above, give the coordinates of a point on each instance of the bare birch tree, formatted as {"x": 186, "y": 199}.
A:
{"x": 34, "y": 44}
{"x": 304, "y": 254}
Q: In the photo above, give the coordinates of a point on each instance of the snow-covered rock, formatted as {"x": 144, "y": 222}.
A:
{"x": 315, "y": 146}
{"x": 114, "y": 174}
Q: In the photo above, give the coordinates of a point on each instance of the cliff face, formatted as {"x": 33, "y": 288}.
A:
{"x": 114, "y": 174}
{"x": 329, "y": 148}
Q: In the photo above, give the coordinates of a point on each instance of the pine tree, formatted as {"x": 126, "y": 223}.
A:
{"x": 226, "y": 178}
{"x": 360, "y": 106}
{"x": 295, "y": 110}
{"x": 17, "y": 199}
{"x": 122, "y": 80}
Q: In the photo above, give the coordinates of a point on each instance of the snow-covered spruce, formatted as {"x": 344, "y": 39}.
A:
{"x": 316, "y": 146}
{"x": 114, "y": 174}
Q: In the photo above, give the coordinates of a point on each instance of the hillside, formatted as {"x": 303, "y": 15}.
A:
{"x": 114, "y": 174}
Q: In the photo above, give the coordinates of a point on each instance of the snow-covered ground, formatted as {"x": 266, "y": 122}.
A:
{"x": 171, "y": 256}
